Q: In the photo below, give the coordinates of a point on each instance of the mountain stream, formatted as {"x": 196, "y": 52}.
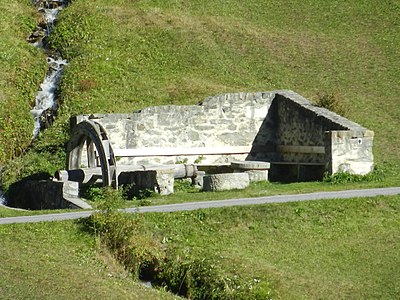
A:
{"x": 46, "y": 103}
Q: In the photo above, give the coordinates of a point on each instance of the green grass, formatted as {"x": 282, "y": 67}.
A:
{"x": 7, "y": 212}
{"x": 22, "y": 68}
{"x": 331, "y": 249}
{"x": 335, "y": 249}
{"x": 10, "y": 212}
{"x": 325, "y": 250}
{"x": 58, "y": 261}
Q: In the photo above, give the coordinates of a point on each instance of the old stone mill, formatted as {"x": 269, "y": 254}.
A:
{"x": 224, "y": 142}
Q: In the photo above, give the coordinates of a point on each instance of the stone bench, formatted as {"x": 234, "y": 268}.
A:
{"x": 257, "y": 170}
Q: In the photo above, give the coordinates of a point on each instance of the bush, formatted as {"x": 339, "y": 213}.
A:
{"x": 331, "y": 102}
{"x": 121, "y": 233}
{"x": 203, "y": 278}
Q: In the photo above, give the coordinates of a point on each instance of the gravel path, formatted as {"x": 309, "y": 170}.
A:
{"x": 213, "y": 204}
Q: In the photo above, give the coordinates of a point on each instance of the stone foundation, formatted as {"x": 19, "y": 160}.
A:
{"x": 46, "y": 194}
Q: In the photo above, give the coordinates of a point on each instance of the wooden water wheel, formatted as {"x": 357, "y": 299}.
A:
{"x": 90, "y": 138}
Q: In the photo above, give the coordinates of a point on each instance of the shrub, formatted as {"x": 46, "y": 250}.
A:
{"x": 121, "y": 233}
{"x": 203, "y": 278}
{"x": 331, "y": 102}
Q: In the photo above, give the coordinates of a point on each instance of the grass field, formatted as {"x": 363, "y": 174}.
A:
{"x": 58, "y": 261}
{"x": 124, "y": 55}
{"x": 339, "y": 249}
{"x": 336, "y": 249}
{"x": 312, "y": 250}
{"x": 22, "y": 68}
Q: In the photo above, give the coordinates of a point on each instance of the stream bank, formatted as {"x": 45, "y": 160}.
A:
{"x": 46, "y": 104}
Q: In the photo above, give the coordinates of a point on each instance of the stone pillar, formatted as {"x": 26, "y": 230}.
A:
{"x": 165, "y": 181}
{"x": 350, "y": 151}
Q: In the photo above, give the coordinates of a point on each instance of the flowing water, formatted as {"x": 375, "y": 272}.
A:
{"x": 46, "y": 103}
{"x": 2, "y": 199}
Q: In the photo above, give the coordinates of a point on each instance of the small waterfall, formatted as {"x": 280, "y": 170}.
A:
{"x": 2, "y": 199}
{"x": 46, "y": 103}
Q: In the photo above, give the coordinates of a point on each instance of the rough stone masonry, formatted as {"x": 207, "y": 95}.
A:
{"x": 281, "y": 127}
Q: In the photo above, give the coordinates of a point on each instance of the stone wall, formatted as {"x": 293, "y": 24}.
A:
{"x": 45, "y": 194}
{"x": 350, "y": 151}
{"x": 220, "y": 121}
{"x": 302, "y": 124}
{"x": 279, "y": 126}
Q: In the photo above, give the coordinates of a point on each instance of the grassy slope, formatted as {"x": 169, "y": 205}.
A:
{"x": 338, "y": 249}
{"x": 126, "y": 55}
{"x": 58, "y": 261}
{"x": 22, "y": 67}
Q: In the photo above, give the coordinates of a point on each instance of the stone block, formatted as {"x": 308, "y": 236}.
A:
{"x": 46, "y": 194}
{"x": 160, "y": 180}
{"x": 257, "y": 170}
{"x": 225, "y": 181}
{"x": 71, "y": 189}
{"x": 165, "y": 182}
{"x": 257, "y": 175}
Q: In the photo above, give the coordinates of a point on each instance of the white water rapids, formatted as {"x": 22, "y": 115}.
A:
{"x": 46, "y": 103}
{"x": 46, "y": 97}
